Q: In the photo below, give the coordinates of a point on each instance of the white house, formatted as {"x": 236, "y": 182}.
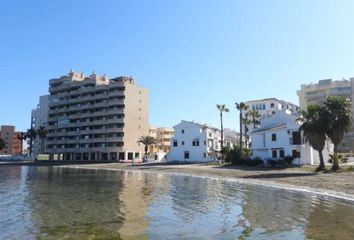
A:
{"x": 278, "y": 136}
{"x": 194, "y": 142}
{"x": 269, "y": 106}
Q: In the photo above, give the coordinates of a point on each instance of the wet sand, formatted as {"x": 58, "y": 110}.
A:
{"x": 339, "y": 184}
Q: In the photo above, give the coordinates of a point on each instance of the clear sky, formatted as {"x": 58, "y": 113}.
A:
{"x": 191, "y": 54}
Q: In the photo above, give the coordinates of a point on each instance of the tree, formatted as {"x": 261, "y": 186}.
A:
{"x": 314, "y": 128}
{"x": 22, "y": 136}
{"x": 254, "y": 117}
{"x": 241, "y": 107}
{"x": 31, "y": 134}
{"x": 2, "y": 144}
{"x": 246, "y": 122}
{"x": 338, "y": 115}
{"x": 42, "y": 134}
{"x": 147, "y": 141}
{"x": 222, "y": 108}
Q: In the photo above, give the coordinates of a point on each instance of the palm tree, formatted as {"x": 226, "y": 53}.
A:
{"x": 22, "y": 136}
{"x": 338, "y": 115}
{"x": 42, "y": 134}
{"x": 254, "y": 116}
{"x": 246, "y": 122}
{"x": 241, "y": 107}
{"x": 222, "y": 108}
{"x": 2, "y": 144}
{"x": 314, "y": 128}
{"x": 147, "y": 141}
{"x": 31, "y": 134}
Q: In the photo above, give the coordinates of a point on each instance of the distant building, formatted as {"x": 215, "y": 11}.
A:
{"x": 194, "y": 142}
{"x": 317, "y": 93}
{"x": 231, "y": 138}
{"x": 12, "y": 143}
{"x": 96, "y": 118}
{"x": 164, "y": 134}
{"x": 39, "y": 119}
{"x": 269, "y": 106}
{"x": 278, "y": 136}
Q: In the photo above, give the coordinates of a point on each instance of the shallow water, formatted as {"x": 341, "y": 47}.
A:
{"x": 62, "y": 203}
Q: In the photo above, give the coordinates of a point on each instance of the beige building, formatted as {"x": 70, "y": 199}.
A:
{"x": 316, "y": 93}
{"x": 162, "y": 136}
{"x": 96, "y": 118}
{"x": 39, "y": 119}
{"x": 12, "y": 143}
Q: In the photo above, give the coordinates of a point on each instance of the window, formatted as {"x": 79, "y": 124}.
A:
{"x": 182, "y": 143}
{"x": 186, "y": 155}
{"x": 296, "y": 154}
{"x": 182, "y": 131}
{"x": 274, "y": 154}
{"x": 195, "y": 143}
{"x": 274, "y": 137}
{"x": 272, "y": 105}
{"x": 204, "y": 155}
{"x": 281, "y": 154}
{"x": 296, "y": 138}
{"x": 205, "y": 143}
{"x": 175, "y": 143}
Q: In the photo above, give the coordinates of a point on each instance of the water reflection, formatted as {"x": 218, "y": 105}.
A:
{"x": 60, "y": 203}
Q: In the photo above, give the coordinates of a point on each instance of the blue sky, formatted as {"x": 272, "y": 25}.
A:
{"x": 190, "y": 54}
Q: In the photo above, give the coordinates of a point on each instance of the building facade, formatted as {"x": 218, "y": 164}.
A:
{"x": 164, "y": 134}
{"x": 317, "y": 93}
{"x": 278, "y": 137}
{"x": 39, "y": 119}
{"x": 96, "y": 118}
{"x": 12, "y": 143}
{"x": 269, "y": 106}
{"x": 194, "y": 142}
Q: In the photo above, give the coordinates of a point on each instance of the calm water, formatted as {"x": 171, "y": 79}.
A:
{"x": 58, "y": 203}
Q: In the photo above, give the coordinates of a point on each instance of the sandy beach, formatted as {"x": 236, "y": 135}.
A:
{"x": 339, "y": 184}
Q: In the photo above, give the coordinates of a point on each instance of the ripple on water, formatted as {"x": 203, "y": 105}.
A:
{"x": 58, "y": 203}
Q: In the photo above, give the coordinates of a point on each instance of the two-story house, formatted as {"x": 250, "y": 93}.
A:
{"x": 194, "y": 142}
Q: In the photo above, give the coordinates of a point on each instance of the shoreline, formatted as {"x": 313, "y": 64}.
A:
{"x": 333, "y": 185}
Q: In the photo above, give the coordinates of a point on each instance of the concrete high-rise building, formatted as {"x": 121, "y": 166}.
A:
{"x": 96, "y": 118}
{"x": 12, "y": 143}
{"x": 39, "y": 119}
{"x": 318, "y": 92}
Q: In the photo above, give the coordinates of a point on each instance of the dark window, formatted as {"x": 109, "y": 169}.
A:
{"x": 182, "y": 143}
{"x": 130, "y": 156}
{"x": 274, "y": 137}
{"x": 175, "y": 143}
{"x": 182, "y": 131}
{"x": 296, "y": 154}
{"x": 195, "y": 143}
{"x": 274, "y": 154}
{"x": 186, "y": 155}
{"x": 281, "y": 154}
{"x": 272, "y": 105}
{"x": 296, "y": 138}
{"x": 204, "y": 155}
{"x": 204, "y": 142}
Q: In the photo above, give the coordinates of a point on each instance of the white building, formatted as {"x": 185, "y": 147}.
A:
{"x": 194, "y": 142}
{"x": 278, "y": 136}
{"x": 232, "y": 138}
{"x": 269, "y": 106}
{"x": 39, "y": 118}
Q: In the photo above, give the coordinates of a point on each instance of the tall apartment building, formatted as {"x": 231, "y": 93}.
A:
{"x": 269, "y": 106}
{"x": 96, "y": 118}
{"x": 39, "y": 119}
{"x": 12, "y": 143}
{"x": 318, "y": 92}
